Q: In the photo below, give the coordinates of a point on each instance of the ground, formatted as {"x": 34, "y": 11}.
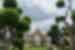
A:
{"x": 43, "y": 49}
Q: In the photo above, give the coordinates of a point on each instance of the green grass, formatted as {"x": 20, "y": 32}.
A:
{"x": 67, "y": 49}
{"x": 42, "y": 49}
{"x": 35, "y": 49}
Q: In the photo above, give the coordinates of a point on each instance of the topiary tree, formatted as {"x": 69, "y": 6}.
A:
{"x": 60, "y": 3}
{"x": 54, "y": 32}
{"x": 10, "y": 18}
{"x": 60, "y": 19}
{"x": 69, "y": 11}
{"x": 10, "y": 4}
{"x": 21, "y": 28}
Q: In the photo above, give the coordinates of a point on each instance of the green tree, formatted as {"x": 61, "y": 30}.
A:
{"x": 60, "y": 19}
{"x": 72, "y": 27}
{"x": 10, "y": 18}
{"x": 60, "y": 3}
{"x": 54, "y": 33}
{"x": 10, "y": 4}
{"x": 21, "y": 28}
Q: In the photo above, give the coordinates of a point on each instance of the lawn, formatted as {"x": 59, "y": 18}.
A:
{"x": 67, "y": 49}
{"x": 33, "y": 49}
{"x": 43, "y": 49}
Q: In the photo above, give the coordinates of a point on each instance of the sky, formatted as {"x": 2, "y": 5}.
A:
{"x": 43, "y": 12}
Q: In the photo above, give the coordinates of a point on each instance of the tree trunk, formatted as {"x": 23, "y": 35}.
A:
{"x": 19, "y": 40}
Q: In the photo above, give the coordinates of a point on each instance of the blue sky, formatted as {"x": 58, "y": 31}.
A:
{"x": 42, "y": 12}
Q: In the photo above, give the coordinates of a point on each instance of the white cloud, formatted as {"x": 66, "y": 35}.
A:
{"x": 46, "y": 6}
{"x": 35, "y": 2}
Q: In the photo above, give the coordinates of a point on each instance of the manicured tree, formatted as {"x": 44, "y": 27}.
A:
{"x": 60, "y": 19}
{"x": 71, "y": 26}
{"x": 10, "y": 13}
{"x": 60, "y": 3}
{"x": 54, "y": 32}
{"x": 21, "y": 28}
{"x": 10, "y": 17}
{"x": 73, "y": 23}
{"x": 10, "y": 4}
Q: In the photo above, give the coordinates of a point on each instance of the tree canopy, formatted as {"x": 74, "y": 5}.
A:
{"x": 60, "y": 3}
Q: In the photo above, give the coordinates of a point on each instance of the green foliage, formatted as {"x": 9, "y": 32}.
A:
{"x": 66, "y": 43}
{"x": 24, "y": 24}
{"x": 27, "y": 20}
{"x": 60, "y": 3}
{"x": 22, "y": 27}
{"x": 9, "y": 17}
{"x": 10, "y": 4}
{"x": 73, "y": 15}
{"x": 67, "y": 49}
{"x": 19, "y": 10}
{"x": 54, "y": 33}
{"x": 2, "y": 19}
{"x": 59, "y": 19}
